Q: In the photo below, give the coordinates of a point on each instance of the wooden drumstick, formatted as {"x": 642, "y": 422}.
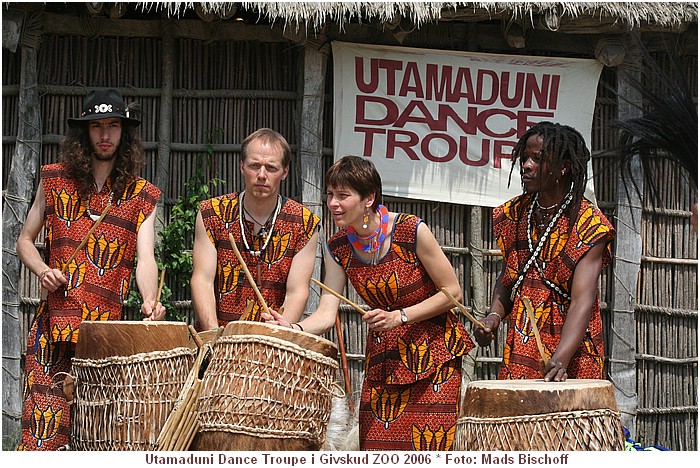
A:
{"x": 84, "y": 241}
{"x": 463, "y": 309}
{"x": 247, "y": 273}
{"x": 531, "y": 316}
{"x": 195, "y": 336}
{"x": 339, "y": 296}
{"x": 160, "y": 287}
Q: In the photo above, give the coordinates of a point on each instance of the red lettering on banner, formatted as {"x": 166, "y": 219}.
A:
{"x": 437, "y": 86}
{"x": 424, "y": 117}
{"x": 499, "y": 154}
{"x": 390, "y": 66}
{"x": 369, "y": 132}
{"x": 554, "y": 92}
{"x": 505, "y": 84}
{"x": 436, "y": 83}
{"x": 392, "y": 143}
{"x": 390, "y": 116}
{"x": 463, "y": 154}
{"x": 463, "y": 79}
{"x": 427, "y": 152}
{"x": 481, "y": 88}
{"x": 411, "y": 82}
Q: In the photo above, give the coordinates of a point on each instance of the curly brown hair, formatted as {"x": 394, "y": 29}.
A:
{"x": 76, "y": 153}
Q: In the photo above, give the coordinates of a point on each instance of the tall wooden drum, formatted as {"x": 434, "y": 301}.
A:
{"x": 525, "y": 415}
{"x": 128, "y": 376}
{"x": 267, "y": 388}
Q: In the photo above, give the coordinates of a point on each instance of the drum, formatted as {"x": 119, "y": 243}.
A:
{"x": 128, "y": 376}
{"x": 267, "y": 388}
{"x": 528, "y": 415}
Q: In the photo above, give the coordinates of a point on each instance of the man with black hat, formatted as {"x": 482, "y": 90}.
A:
{"x": 98, "y": 172}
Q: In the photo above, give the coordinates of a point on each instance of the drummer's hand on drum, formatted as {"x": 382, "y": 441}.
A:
{"x": 275, "y": 318}
{"x": 151, "y": 312}
{"x": 555, "y": 370}
{"x": 484, "y": 336}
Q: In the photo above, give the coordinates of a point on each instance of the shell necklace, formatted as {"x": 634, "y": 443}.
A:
{"x": 263, "y": 231}
{"x": 534, "y": 252}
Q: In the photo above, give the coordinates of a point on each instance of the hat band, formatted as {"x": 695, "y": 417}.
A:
{"x": 103, "y": 109}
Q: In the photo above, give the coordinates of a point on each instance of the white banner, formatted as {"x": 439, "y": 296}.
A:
{"x": 441, "y": 125}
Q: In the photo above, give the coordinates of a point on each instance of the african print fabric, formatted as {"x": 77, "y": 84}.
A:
{"x": 557, "y": 261}
{"x": 293, "y": 229}
{"x": 98, "y": 283}
{"x": 410, "y": 395}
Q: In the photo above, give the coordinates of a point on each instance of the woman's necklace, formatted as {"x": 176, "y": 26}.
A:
{"x": 94, "y": 216}
{"x": 375, "y": 239}
{"x": 263, "y": 231}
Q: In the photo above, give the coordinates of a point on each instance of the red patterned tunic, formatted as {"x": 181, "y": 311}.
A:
{"x": 294, "y": 227}
{"x": 410, "y": 396}
{"x": 98, "y": 283}
{"x": 559, "y": 257}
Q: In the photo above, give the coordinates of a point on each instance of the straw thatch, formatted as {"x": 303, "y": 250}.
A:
{"x": 315, "y": 14}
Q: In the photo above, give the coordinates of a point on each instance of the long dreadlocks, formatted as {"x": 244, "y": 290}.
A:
{"x": 561, "y": 143}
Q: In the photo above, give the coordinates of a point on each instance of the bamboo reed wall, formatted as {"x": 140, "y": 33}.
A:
{"x": 220, "y": 91}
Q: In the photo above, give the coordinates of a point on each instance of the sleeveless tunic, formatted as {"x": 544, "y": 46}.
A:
{"x": 293, "y": 229}
{"x": 410, "y": 395}
{"x": 98, "y": 283}
{"x": 559, "y": 257}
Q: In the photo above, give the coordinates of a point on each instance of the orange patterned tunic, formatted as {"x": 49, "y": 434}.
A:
{"x": 410, "y": 396}
{"x": 558, "y": 258}
{"x": 98, "y": 283}
{"x": 294, "y": 227}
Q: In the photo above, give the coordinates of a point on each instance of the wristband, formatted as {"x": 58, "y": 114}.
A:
{"x": 298, "y": 325}
{"x": 43, "y": 274}
{"x": 500, "y": 319}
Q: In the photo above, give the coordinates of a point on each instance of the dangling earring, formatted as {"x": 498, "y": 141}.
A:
{"x": 563, "y": 172}
{"x": 365, "y": 219}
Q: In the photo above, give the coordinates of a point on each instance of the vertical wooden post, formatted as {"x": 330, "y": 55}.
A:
{"x": 480, "y": 296}
{"x": 626, "y": 263}
{"x": 311, "y": 139}
{"x": 17, "y": 199}
{"x": 162, "y": 175}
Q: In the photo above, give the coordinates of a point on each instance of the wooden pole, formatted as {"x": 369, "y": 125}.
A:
{"x": 16, "y": 202}
{"x": 344, "y": 361}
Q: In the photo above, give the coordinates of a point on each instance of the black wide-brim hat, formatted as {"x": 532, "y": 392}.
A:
{"x": 103, "y": 104}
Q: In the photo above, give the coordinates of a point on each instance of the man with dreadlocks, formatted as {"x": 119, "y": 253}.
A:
{"x": 100, "y": 162}
{"x": 554, "y": 244}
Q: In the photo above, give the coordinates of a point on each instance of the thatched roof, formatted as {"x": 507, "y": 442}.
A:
{"x": 316, "y": 14}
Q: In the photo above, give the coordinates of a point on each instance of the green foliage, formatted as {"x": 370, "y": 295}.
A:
{"x": 174, "y": 251}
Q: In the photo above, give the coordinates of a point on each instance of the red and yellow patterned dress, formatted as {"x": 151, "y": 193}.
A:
{"x": 98, "y": 283}
{"x": 294, "y": 227}
{"x": 558, "y": 256}
{"x": 413, "y": 373}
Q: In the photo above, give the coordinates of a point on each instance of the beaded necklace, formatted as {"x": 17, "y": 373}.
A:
{"x": 534, "y": 252}
{"x": 375, "y": 239}
{"x": 272, "y": 226}
{"x": 93, "y": 216}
